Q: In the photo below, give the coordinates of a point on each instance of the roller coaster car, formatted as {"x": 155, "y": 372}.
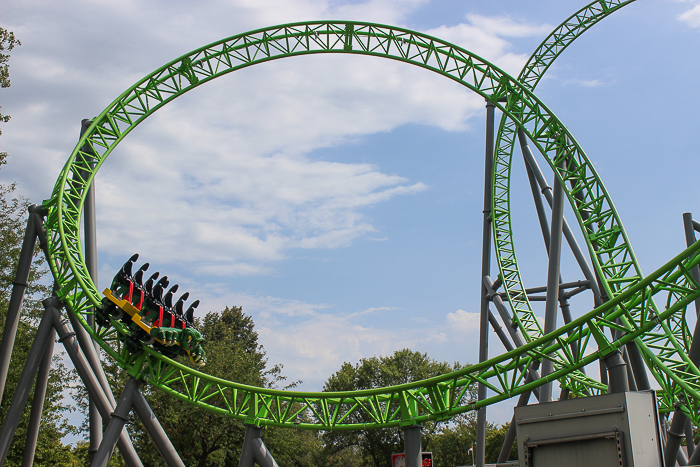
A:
{"x": 151, "y": 317}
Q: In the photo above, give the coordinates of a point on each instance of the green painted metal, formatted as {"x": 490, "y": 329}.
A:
{"x": 433, "y": 399}
{"x": 612, "y": 254}
{"x": 538, "y": 63}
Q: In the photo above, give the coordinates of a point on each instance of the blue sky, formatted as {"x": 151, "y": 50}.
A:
{"x": 338, "y": 199}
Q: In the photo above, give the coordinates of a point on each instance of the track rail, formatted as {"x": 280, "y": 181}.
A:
{"x": 436, "y": 398}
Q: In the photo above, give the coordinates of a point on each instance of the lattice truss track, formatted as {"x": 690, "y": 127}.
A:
{"x": 631, "y": 313}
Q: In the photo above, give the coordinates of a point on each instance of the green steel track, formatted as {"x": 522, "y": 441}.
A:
{"x": 630, "y": 309}
{"x": 540, "y": 61}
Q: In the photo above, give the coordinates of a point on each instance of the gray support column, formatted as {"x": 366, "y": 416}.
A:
{"x": 254, "y": 449}
{"x": 19, "y": 285}
{"x": 689, "y": 438}
{"x": 689, "y": 240}
{"x": 42, "y": 381}
{"x": 412, "y": 446}
{"x": 568, "y": 234}
{"x": 518, "y": 340}
{"x": 85, "y": 342}
{"x": 510, "y": 435}
{"x": 485, "y": 271}
{"x": 617, "y": 372}
{"x": 24, "y": 386}
{"x": 639, "y": 369}
{"x": 498, "y": 329}
{"x": 695, "y": 457}
{"x": 550, "y": 312}
{"x": 67, "y": 338}
{"x": 546, "y": 235}
{"x": 90, "y": 251}
{"x": 677, "y": 428}
{"x": 116, "y": 424}
{"x": 155, "y": 431}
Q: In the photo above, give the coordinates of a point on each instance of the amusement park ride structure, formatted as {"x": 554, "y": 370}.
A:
{"x": 637, "y": 328}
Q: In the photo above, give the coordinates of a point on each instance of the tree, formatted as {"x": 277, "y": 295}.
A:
{"x": 204, "y": 438}
{"x": 7, "y": 43}
{"x": 13, "y": 216}
{"x": 374, "y": 447}
{"x": 450, "y": 446}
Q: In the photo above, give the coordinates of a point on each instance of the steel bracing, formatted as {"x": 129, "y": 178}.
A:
{"x": 636, "y": 317}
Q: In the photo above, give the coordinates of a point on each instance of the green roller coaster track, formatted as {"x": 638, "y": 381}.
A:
{"x": 630, "y": 313}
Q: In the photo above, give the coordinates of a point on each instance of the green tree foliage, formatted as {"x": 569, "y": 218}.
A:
{"x": 450, "y": 446}
{"x": 206, "y": 439}
{"x": 374, "y": 447}
{"x": 8, "y": 41}
{"x": 13, "y": 218}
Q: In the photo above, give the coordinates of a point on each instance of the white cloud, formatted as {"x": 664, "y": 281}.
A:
{"x": 586, "y": 83}
{"x": 463, "y": 321}
{"x": 484, "y": 37}
{"x": 230, "y": 179}
{"x": 691, "y": 17}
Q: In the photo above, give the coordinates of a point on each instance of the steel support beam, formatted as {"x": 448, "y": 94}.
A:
{"x": 116, "y": 424}
{"x": 254, "y": 450}
{"x": 547, "y": 236}
{"x": 617, "y": 372}
{"x": 85, "y": 342}
{"x": 485, "y": 271}
{"x": 412, "y": 446}
{"x": 90, "y": 251}
{"x": 19, "y": 286}
{"x": 67, "y": 338}
{"x": 24, "y": 386}
{"x": 510, "y": 435}
{"x": 518, "y": 339}
{"x": 550, "y": 312}
{"x": 42, "y": 381}
{"x": 568, "y": 234}
{"x": 688, "y": 227}
{"x": 155, "y": 431}
{"x": 675, "y": 432}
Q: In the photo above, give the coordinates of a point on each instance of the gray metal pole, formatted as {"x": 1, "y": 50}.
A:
{"x": 155, "y": 431}
{"x": 546, "y": 235}
{"x": 510, "y": 435}
{"x": 498, "y": 329}
{"x": 485, "y": 271}
{"x": 90, "y": 252}
{"x": 617, "y": 372}
{"x": 689, "y": 240}
{"x": 24, "y": 386}
{"x": 85, "y": 342}
{"x": 39, "y": 216}
{"x": 247, "y": 451}
{"x": 19, "y": 285}
{"x": 568, "y": 234}
{"x": 689, "y": 438}
{"x": 677, "y": 428}
{"x": 695, "y": 457}
{"x": 550, "y": 312}
{"x": 412, "y": 446}
{"x": 518, "y": 339}
{"x": 116, "y": 424}
{"x": 67, "y": 338}
{"x": 42, "y": 381}
{"x": 254, "y": 449}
